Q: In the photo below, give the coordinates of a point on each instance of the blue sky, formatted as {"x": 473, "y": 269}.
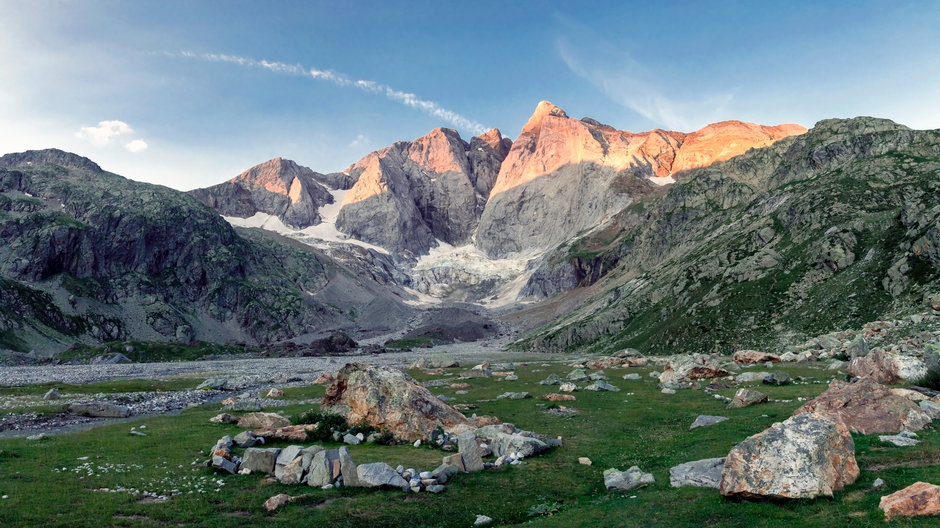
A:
{"x": 140, "y": 87}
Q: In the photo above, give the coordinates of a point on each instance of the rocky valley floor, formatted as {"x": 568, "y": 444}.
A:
{"x": 116, "y": 474}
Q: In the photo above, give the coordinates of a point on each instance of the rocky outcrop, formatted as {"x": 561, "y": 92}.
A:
{"x": 752, "y": 357}
{"x": 411, "y": 194}
{"x": 886, "y": 367}
{"x": 867, "y": 407}
{"x": 685, "y": 369}
{"x": 806, "y": 456}
{"x": 278, "y": 187}
{"x": 390, "y": 400}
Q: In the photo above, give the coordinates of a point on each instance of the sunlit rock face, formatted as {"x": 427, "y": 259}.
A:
{"x": 411, "y": 195}
{"x": 277, "y": 187}
{"x": 564, "y": 175}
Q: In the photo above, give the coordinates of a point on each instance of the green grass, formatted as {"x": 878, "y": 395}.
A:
{"x": 645, "y": 428}
{"x": 422, "y": 341}
{"x": 114, "y": 386}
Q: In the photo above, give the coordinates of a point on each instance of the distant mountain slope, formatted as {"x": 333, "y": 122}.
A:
{"x": 89, "y": 256}
{"x": 825, "y": 230}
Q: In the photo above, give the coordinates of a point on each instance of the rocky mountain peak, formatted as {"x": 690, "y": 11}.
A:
{"x": 52, "y": 156}
{"x": 542, "y": 110}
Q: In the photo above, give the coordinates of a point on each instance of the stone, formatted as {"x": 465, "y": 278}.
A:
{"x": 888, "y": 367}
{"x": 568, "y": 387}
{"x": 918, "y": 499}
{"x": 291, "y": 433}
{"x": 224, "y": 418}
{"x": 242, "y": 406}
{"x": 115, "y": 358}
{"x": 806, "y": 456}
{"x": 577, "y": 375}
{"x": 276, "y": 502}
{"x": 262, "y": 420}
{"x": 52, "y": 394}
{"x": 513, "y": 396}
{"x": 867, "y": 407}
{"x": 753, "y": 357}
{"x": 627, "y": 480}
{"x": 632, "y": 376}
{"x": 258, "y": 460}
{"x": 584, "y": 461}
{"x": 275, "y": 393}
{"x": 746, "y": 398}
{"x": 444, "y": 473}
{"x": 482, "y": 520}
{"x": 223, "y": 464}
{"x": 435, "y": 362}
{"x": 348, "y": 468}
{"x": 878, "y": 483}
{"x": 931, "y": 408}
{"x": 751, "y": 377}
{"x": 667, "y": 390}
{"x": 601, "y": 386}
{"x": 857, "y": 347}
{"x": 246, "y": 439}
{"x": 900, "y": 440}
{"x": 380, "y": 474}
{"x": 687, "y": 368}
{"x": 436, "y": 488}
{"x": 506, "y": 439}
{"x": 455, "y": 460}
{"x": 705, "y": 420}
{"x": 351, "y": 439}
{"x": 217, "y": 383}
{"x": 320, "y": 471}
{"x": 835, "y": 364}
{"x": 778, "y": 378}
{"x": 99, "y": 410}
{"x": 700, "y": 473}
{"x": 555, "y": 397}
{"x": 390, "y": 400}
{"x": 470, "y": 452}
{"x": 597, "y": 376}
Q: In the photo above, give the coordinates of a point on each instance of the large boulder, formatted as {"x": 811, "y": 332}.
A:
{"x": 867, "y": 407}
{"x": 262, "y": 420}
{"x": 260, "y": 460}
{"x": 388, "y": 399}
{"x": 753, "y": 357}
{"x": 700, "y": 473}
{"x": 888, "y": 367}
{"x": 688, "y": 368}
{"x": 920, "y": 498}
{"x": 505, "y": 439}
{"x": 324, "y": 468}
{"x": 806, "y": 456}
{"x": 380, "y": 474}
{"x": 746, "y": 398}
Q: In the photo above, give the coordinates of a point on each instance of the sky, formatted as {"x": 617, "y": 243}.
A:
{"x": 190, "y": 93}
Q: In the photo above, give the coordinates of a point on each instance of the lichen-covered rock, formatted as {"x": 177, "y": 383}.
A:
{"x": 262, "y": 420}
{"x": 700, "y": 473}
{"x": 627, "y": 480}
{"x": 867, "y": 407}
{"x": 753, "y": 357}
{"x": 806, "y": 456}
{"x": 918, "y": 499}
{"x": 887, "y": 367}
{"x": 687, "y": 368}
{"x": 746, "y": 398}
{"x": 388, "y": 399}
{"x": 380, "y": 474}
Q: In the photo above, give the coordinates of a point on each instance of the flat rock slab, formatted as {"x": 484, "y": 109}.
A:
{"x": 700, "y": 473}
{"x": 868, "y": 407}
{"x": 705, "y": 420}
{"x": 380, "y": 474}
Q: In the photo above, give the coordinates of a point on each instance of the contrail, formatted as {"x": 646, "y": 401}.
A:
{"x": 408, "y": 99}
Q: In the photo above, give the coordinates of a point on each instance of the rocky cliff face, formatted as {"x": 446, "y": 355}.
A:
{"x": 825, "y": 230}
{"x": 278, "y": 187}
{"x": 88, "y": 256}
{"x": 412, "y": 194}
{"x": 563, "y": 175}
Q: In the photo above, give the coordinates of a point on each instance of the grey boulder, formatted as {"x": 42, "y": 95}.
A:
{"x": 700, "y": 473}
{"x": 627, "y": 480}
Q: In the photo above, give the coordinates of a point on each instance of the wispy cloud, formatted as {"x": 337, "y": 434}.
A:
{"x": 408, "y": 99}
{"x": 108, "y": 131}
{"x": 631, "y": 84}
{"x": 358, "y": 141}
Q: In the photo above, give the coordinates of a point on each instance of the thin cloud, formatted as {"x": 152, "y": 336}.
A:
{"x": 360, "y": 140}
{"x": 102, "y": 134}
{"x": 629, "y": 83}
{"x": 410, "y": 100}
{"x": 136, "y": 145}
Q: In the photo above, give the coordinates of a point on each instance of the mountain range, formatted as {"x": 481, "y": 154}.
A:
{"x": 575, "y": 233}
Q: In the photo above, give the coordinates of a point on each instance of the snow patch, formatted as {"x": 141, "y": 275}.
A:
{"x": 662, "y": 180}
